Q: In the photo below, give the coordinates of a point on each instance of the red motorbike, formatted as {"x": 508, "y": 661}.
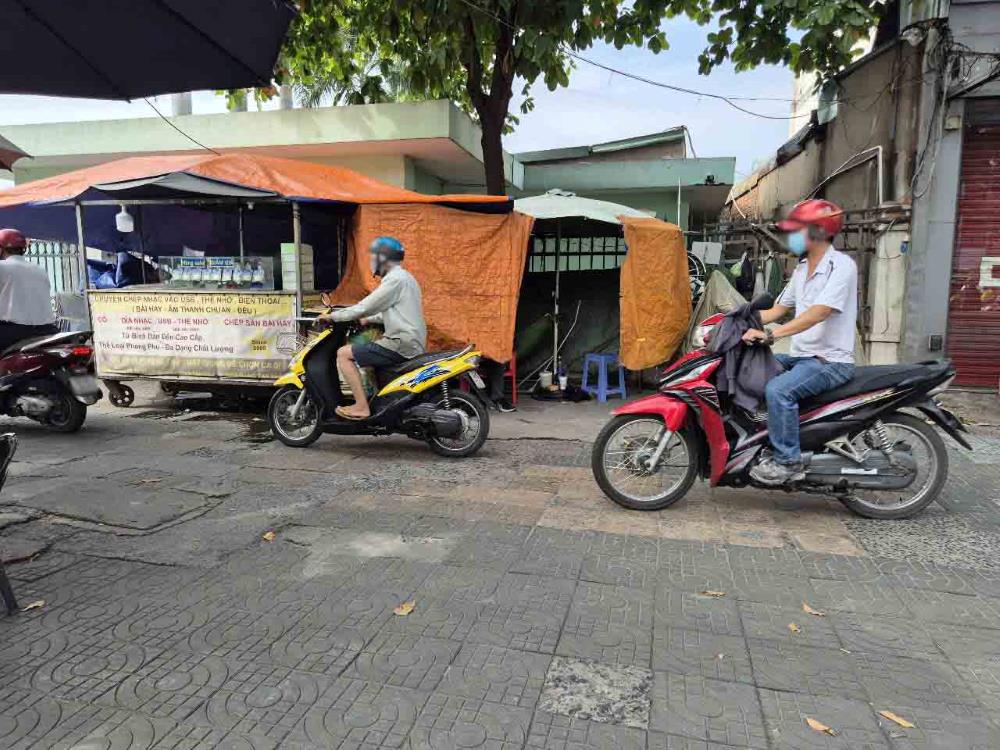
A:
{"x": 49, "y": 379}
{"x": 858, "y": 443}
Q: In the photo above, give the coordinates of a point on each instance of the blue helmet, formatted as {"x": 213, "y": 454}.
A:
{"x": 385, "y": 250}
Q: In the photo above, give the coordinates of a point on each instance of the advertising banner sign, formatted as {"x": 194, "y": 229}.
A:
{"x": 224, "y": 335}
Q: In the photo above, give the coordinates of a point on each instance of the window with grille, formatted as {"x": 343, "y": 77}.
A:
{"x": 576, "y": 254}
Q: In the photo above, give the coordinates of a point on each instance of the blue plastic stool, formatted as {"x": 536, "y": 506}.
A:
{"x": 603, "y": 361}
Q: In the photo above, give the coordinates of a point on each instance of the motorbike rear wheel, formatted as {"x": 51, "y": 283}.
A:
{"x": 477, "y": 429}
{"x": 305, "y": 429}
{"x": 617, "y": 457}
{"x": 932, "y": 461}
{"x": 67, "y": 415}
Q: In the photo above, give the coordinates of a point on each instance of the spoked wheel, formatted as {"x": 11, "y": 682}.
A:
{"x": 67, "y": 415}
{"x": 475, "y": 426}
{"x": 931, "y": 459}
{"x": 296, "y": 427}
{"x": 621, "y": 463}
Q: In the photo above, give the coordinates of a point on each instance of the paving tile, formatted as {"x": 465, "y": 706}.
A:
{"x": 313, "y": 646}
{"x": 894, "y": 636}
{"x": 388, "y": 575}
{"x": 700, "y": 555}
{"x": 29, "y": 719}
{"x": 485, "y": 554}
{"x": 238, "y": 634}
{"x": 879, "y": 597}
{"x": 111, "y": 729}
{"x": 627, "y": 547}
{"x": 437, "y": 618}
{"x": 357, "y": 714}
{"x": 262, "y": 699}
{"x": 517, "y": 627}
{"x": 773, "y": 622}
{"x": 894, "y": 678}
{"x": 618, "y": 571}
{"x": 853, "y": 721}
{"x": 840, "y": 567}
{"x": 711, "y": 710}
{"x": 661, "y": 741}
{"x": 690, "y": 577}
{"x": 785, "y": 561}
{"x": 607, "y": 623}
{"x": 448, "y": 721}
{"x": 549, "y": 561}
{"x": 699, "y": 652}
{"x": 160, "y": 625}
{"x": 554, "y": 732}
{"x": 940, "y": 726}
{"x": 591, "y": 690}
{"x": 541, "y": 593}
{"x": 359, "y": 609}
{"x": 913, "y": 574}
{"x": 172, "y": 685}
{"x": 404, "y": 660}
{"x": 771, "y": 588}
{"x": 496, "y": 674}
{"x": 983, "y": 679}
{"x": 696, "y": 611}
{"x": 41, "y": 566}
{"x": 794, "y": 668}
{"x": 459, "y": 583}
{"x": 953, "y": 609}
{"x": 19, "y": 659}
{"x": 81, "y": 617}
{"x": 88, "y": 667}
{"x": 963, "y": 644}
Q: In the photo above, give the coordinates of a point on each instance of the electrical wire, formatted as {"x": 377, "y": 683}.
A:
{"x": 175, "y": 127}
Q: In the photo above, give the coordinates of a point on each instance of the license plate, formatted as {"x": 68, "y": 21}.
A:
{"x": 478, "y": 381}
{"x": 83, "y": 385}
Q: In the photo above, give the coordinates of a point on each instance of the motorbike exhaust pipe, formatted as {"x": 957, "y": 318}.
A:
{"x": 33, "y": 406}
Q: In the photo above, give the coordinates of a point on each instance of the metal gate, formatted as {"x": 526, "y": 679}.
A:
{"x": 60, "y": 261}
{"x": 974, "y": 301}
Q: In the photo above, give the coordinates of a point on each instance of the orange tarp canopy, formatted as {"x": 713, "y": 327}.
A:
{"x": 469, "y": 266}
{"x": 288, "y": 178}
{"x": 655, "y": 292}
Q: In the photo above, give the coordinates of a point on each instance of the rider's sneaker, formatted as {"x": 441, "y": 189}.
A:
{"x": 772, "y": 473}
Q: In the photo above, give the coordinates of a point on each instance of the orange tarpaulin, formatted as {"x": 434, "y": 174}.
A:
{"x": 655, "y": 292}
{"x": 289, "y": 178}
{"x": 469, "y": 266}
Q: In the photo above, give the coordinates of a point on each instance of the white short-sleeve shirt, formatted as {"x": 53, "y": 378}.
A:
{"x": 25, "y": 293}
{"x": 834, "y": 284}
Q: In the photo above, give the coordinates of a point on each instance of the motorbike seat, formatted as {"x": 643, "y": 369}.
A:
{"x": 24, "y": 344}
{"x": 391, "y": 373}
{"x": 873, "y": 378}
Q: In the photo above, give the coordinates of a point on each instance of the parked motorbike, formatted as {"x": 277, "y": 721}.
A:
{"x": 420, "y": 398}
{"x": 859, "y": 445}
{"x": 50, "y": 379}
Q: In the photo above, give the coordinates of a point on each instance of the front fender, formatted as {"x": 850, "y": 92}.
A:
{"x": 672, "y": 411}
{"x": 289, "y": 378}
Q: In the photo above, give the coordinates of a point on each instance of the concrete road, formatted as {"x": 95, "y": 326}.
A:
{"x": 543, "y": 616}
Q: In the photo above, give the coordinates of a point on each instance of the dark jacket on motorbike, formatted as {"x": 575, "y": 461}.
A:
{"x": 745, "y": 370}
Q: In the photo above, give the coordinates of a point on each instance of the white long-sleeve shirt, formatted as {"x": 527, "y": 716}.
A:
{"x": 398, "y": 305}
{"x": 25, "y": 292}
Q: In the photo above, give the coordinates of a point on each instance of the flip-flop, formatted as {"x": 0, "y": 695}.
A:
{"x": 342, "y": 412}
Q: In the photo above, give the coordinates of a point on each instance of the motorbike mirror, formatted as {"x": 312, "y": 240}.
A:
{"x": 762, "y": 302}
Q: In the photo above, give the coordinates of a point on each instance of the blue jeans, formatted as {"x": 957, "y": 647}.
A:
{"x": 803, "y": 376}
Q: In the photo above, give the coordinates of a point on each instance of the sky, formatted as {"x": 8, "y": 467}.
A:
{"x": 597, "y": 106}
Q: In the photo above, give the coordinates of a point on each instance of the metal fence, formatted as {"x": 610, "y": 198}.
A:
{"x": 60, "y": 261}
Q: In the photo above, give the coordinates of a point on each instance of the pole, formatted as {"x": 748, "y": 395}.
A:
{"x": 555, "y": 300}
{"x": 81, "y": 247}
{"x": 297, "y": 239}
{"x": 679, "y": 203}
{"x": 142, "y": 243}
{"x": 241, "y": 232}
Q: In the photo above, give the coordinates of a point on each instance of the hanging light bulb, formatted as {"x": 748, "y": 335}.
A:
{"x": 124, "y": 221}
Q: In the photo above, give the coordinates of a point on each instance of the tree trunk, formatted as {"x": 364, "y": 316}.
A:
{"x": 496, "y": 182}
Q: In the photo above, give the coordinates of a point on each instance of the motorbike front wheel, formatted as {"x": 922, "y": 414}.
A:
{"x": 298, "y": 430}
{"x": 620, "y": 463}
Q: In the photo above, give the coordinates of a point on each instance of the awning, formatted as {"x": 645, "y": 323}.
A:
{"x": 9, "y": 153}
{"x": 128, "y": 49}
{"x": 560, "y": 204}
{"x": 238, "y": 175}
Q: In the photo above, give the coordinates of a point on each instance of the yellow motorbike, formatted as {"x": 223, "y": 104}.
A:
{"x": 421, "y": 398}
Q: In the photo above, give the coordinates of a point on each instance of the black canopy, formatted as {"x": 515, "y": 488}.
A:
{"x": 128, "y": 49}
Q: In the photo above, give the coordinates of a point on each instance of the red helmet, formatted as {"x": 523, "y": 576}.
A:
{"x": 12, "y": 239}
{"x": 814, "y": 212}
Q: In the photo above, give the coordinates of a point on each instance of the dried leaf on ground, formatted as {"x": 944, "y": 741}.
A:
{"x": 819, "y": 726}
{"x": 810, "y": 611}
{"x": 897, "y": 718}
{"x": 794, "y": 628}
{"x": 268, "y": 536}
{"x": 34, "y": 605}
{"x": 715, "y": 594}
{"x": 404, "y": 609}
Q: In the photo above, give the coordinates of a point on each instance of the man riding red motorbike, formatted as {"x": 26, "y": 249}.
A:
{"x": 859, "y": 434}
